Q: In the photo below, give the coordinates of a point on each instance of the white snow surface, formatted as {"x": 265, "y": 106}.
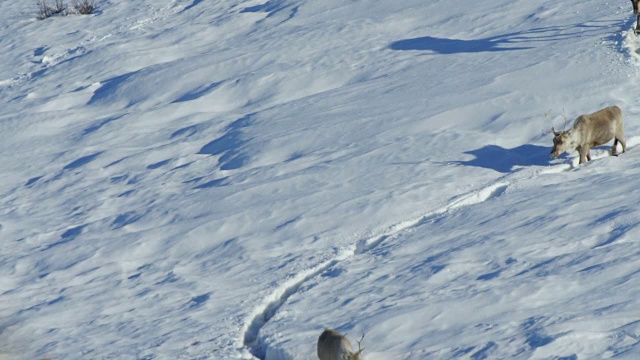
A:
{"x": 189, "y": 179}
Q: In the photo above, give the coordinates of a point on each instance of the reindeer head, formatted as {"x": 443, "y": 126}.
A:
{"x": 562, "y": 141}
{"x": 635, "y": 6}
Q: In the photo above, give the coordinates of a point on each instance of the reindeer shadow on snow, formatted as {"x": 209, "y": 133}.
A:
{"x": 504, "y": 160}
{"x": 444, "y": 46}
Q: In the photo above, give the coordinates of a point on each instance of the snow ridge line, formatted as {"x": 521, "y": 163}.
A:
{"x": 272, "y": 303}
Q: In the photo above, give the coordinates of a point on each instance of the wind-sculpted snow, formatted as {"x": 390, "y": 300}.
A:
{"x": 188, "y": 179}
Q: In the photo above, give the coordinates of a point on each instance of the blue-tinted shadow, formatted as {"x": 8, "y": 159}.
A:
{"x": 194, "y": 3}
{"x": 100, "y": 124}
{"x": 451, "y": 46}
{"x": 109, "y": 87}
{"x": 82, "y": 161}
{"x": 504, "y": 42}
{"x": 125, "y": 219}
{"x": 230, "y": 145}
{"x": 272, "y": 7}
{"x": 198, "y": 93}
{"x": 67, "y": 236}
{"x": 503, "y": 160}
{"x": 199, "y": 300}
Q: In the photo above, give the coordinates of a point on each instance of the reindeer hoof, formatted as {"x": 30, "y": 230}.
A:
{"x": 636, "y": 31}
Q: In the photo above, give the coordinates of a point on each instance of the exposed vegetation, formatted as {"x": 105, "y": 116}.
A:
{"x": 46, "y": 9}
{"x": 84, "y": 7}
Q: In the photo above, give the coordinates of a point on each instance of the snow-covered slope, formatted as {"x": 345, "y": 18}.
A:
{"x": 222, "y": 179}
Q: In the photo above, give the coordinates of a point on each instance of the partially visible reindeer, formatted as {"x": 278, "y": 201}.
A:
{"x": 334, "y": 346}
{"x": 591, "y": 130}
{"x": 634, "y": 3}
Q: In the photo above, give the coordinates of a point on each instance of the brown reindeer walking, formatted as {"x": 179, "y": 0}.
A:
{"x": 591, "y": 130}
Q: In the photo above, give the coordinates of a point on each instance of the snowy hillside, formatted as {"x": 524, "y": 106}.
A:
{"x": 223, "y": 179}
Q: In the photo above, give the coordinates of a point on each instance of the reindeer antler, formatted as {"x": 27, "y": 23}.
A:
{"x": 564, "y": 127}
{"x": 360, "y": 349}
{"x": 553, "y": 130}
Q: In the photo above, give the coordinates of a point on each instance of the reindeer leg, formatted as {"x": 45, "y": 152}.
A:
{"x": 584, "y": 154}
{"x": 637, "y": 30}
{"x": 614, "y": 148}
{"x": 622, "y": 142}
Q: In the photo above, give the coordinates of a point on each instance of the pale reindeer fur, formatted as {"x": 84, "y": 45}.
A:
{"x": 334, "y": 346}
{"x": 591, "y": 130}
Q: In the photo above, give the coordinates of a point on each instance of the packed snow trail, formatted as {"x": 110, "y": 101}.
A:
{"x": 277, "y": 299}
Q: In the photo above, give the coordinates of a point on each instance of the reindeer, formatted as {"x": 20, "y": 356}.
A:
{"x": 636, "y": 12}
{"x": 589, "y": 131}
{"x": 334, "y": 346}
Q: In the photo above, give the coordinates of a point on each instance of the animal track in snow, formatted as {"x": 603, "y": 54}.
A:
{"x": 477, "y": 197}
{"x": 274, "y": 301}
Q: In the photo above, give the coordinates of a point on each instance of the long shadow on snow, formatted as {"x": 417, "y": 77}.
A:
{"x": 109, "y": 87}
{"x": 503, "y": 160}
{"x": 82, "y": 161}
{"x": 272, "y": 7}
{"x": 100, "y": 124}
{"x": 197, "y": 93}
{"x": 194, "y": 3}
{"x": 445, "y": 46}
{"x": 67, "y": 236}
{"x": 230, "y": 145}
{"x": 451, "y": 46}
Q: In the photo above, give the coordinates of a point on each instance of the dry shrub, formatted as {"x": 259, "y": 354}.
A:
{"x": 46, "y": 10}
{"x": 84, "y": 7}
